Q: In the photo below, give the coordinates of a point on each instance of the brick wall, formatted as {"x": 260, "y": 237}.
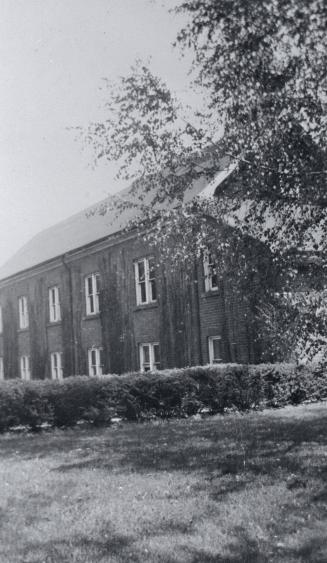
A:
{"x": 182, "y": 319}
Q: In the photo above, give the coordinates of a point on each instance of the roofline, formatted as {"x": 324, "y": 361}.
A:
{"x": 40, "y": 266}
{"x": 57, "y": 260}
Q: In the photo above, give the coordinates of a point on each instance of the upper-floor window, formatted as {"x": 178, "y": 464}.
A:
{"x": 56, "y": 365}
{"x": 23, "y": 312}
{"x": 92, "y": 290}
{"x": 210, "y": 272}
{"x": 1, "y": 320}
{"x": 2, "y": 375}
{"x": 145, "y": 281}
{"x": 149, "y": 356}
{"x": 215, "y": 349}
{"x": 95, "y": 363}
{"x": 25, "y": 371}
{"x": 54, "y": 304}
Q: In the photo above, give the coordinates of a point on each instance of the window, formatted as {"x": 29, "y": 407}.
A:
{"x": 56, "y": 365}
{"x": 2, "y": 375}
{"x": 210, "y": 272}
{"x": 54, "y": 305}
{"x": 149, "y": 357}
{"x": 95, "y": 361}
{"x": 1, "y": 321}
{"x": 215, "y": 352}
{"x": 23, "y": 312}
{"x": 92, "y": 289}
{"x": 25, "y": 372}
{"x": 145, "y": 281}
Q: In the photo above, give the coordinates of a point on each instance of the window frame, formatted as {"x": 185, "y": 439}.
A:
{"x": 92, "y": 300}
{"x": 212, "y": 359}
{"x": 25, "y": 368}
{"x": 54, "y": 304}
{"x": 210, "y": 272}
{"x": 98, "y": 365}
{"x": 152, "y": 364}
{"x": 2, "y": 370}
{"x": 57, "y": 372}
{"x": 23, "y": 312}
{"x": 149, "y": 282}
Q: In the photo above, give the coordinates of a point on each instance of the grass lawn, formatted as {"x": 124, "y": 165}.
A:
{"x": 240, "y": 488}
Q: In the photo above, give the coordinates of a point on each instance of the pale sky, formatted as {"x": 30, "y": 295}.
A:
{"x": 54, "y": 54}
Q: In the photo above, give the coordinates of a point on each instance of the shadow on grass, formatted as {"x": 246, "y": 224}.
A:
{"x": 321, "y": 496}
{"x": 82, "y": 549}
{"x": 228, "y": 453}
{"x": 255, "y": 443}
{"x": 245, "y": 550}
{"x": 314, "y": 550}
{"x": 259, "y": 443}
{"x": 118, "y": 548}
{"x": 248, "y": 551}
{"x": 123, "y": 550}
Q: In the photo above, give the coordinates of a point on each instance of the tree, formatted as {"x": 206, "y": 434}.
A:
{"x": 261, "y": 66}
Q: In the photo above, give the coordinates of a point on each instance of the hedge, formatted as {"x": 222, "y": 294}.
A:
{"x": 164, "y": 394}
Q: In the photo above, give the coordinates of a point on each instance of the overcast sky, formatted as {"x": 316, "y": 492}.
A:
{"x": 54, "y": 54}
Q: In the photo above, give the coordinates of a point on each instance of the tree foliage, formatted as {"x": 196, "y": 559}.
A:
{"x": 261, "y": 67}
{"x": 264, "y": 66}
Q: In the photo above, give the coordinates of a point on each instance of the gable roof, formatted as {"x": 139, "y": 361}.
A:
{"x": 88, "y": 226}
{"x": 72, "y": 233}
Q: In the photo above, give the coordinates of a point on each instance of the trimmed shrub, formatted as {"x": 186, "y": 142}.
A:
{"x": 36, "y": 407}
{"x": 285, "y": 384}
{"x": 11, "y": 402}
{"x": 164, "y": 394}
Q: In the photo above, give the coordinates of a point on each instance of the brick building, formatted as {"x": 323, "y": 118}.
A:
{"x": 88, "y": 296}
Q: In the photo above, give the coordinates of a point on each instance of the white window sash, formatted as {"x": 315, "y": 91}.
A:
{"x": 23, "y": 312}
{"x": 87, "y": 296}
{"x": 151, "y": 363}
{"x": 54, "y": 304}
{"x": 138, "y": 283}
{"x": 156, "y": 345}
{"x": 149, "y": 281}
{"x": 146, "y": 282}
{"x": 53, "y": 366}
{"x": 56, "y": 365}
{"x": 92, "y": 294}
{"x": 59, "y": 366}
{"x": 212, "y": 359}
{"x": 94, "y": 362}
{"x": 25, "y": 368}
{"x": 208, "y": 273}
{"x": 143, "y": 363}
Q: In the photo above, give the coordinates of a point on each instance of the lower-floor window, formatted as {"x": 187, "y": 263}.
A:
{"x": 25, "y": 371}
{"x": 56, "y": 365}
{"x": 2, "y": 375}
{"x": 95, "y": 361}
{"x": 215, "y": 349}
{"x": 149, "y": 356}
